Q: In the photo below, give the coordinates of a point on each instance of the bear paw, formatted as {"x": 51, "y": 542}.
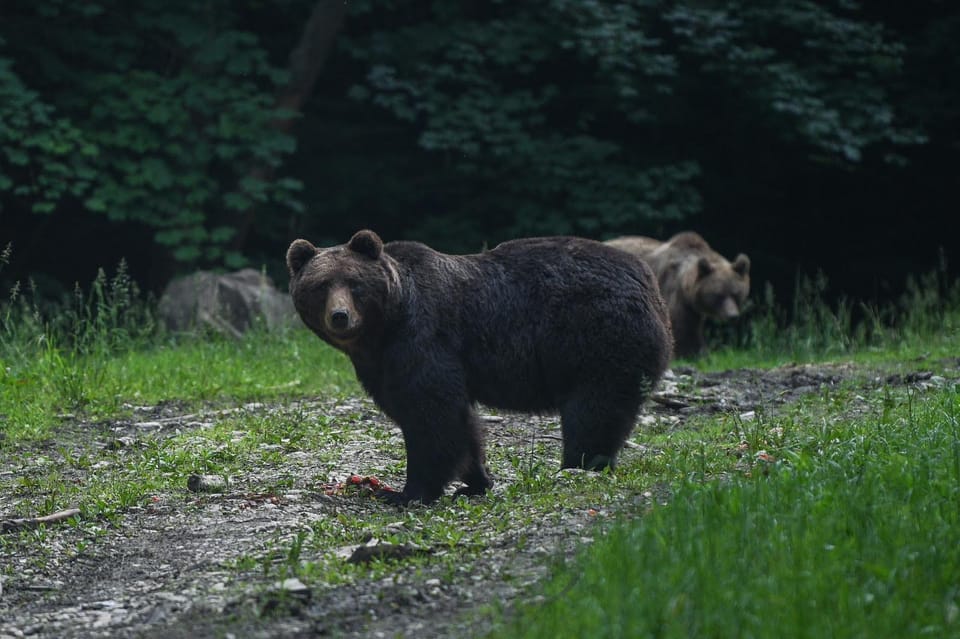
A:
{"x": 402, "y": 498}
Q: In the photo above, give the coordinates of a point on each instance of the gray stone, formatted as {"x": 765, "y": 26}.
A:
{"x": 228, "y": 303}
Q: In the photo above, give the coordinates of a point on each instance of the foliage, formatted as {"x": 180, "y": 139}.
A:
{"x": 156, "y": 116}
{"x": 590, "y": 117}
{"x": 35, "y": 141}
{"x": 451, "y": 122}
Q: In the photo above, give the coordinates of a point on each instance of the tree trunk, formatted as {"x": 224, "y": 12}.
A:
{"x": 306, "y": 62}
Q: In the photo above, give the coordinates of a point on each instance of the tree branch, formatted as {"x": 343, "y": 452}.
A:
{"x": 12, "y": 525}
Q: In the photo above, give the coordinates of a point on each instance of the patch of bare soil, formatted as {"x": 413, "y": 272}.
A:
{"x": 170, "y": 569}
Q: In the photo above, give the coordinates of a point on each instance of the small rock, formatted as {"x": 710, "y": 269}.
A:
{"x": 102, "y": 621}
{"x": 171, "y": 597}
{"x": 288, "y": 597}
{"x": 375, "y": 549}
{"x": 207, "y": 483}
{"x": 119, "y": 443}
{"x": 294, "y": 585}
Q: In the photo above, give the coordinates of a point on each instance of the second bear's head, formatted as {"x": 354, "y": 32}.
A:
{"x": 342, "y": 292}
{"x": 719, "y": 287}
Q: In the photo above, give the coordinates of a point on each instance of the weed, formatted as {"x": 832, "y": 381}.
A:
{"x": 927, "y": 314}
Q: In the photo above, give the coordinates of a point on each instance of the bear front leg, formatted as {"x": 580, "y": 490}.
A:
{"x": 424, "y": 392}
{"x": 442, "y": 444}
{"x": 429, "y": 470}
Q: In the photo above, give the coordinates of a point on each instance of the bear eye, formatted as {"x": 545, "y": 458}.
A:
{"x": 357, "y": 288}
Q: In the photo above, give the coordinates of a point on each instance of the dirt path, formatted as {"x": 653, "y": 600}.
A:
{"x": 173, "y": 568}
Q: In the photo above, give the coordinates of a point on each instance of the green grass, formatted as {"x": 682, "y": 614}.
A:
{"x": 923, "y": 323}
{"x": 35, "y": 393}
{"x": 101, "y": 352}
{"x": 129, "y": 473}
{"x": 853, "y": 532}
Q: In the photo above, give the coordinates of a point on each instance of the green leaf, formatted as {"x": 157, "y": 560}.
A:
{"x": 43, "y": 207}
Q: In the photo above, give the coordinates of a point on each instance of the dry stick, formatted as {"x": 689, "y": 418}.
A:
{"x": 672, "y": 402}
{"x": 11, "y": 525}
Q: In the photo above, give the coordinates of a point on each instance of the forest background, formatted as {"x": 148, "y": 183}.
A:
{"x": 812, "y": 135}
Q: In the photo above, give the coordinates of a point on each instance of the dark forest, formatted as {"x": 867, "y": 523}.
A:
{"x": 815, "y": 136}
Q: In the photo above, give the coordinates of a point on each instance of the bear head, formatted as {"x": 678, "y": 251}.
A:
{"x": 718, "y": 288}
{"x": 343, "y": 293}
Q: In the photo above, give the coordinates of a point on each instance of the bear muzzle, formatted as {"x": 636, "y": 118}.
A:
{"x": 729, "y": 309}
{"x": 340, "y": 318}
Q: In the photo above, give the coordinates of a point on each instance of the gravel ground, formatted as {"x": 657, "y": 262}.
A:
{"x": 166, "y": 569}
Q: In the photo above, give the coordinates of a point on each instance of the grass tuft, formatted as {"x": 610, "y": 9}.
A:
{"x": 834, "y": 541}
{"x": 101, "y": 351}
{"x": 924, "y": 322}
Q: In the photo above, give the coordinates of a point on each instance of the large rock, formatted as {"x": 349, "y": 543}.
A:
{"x": 229, "y": 303}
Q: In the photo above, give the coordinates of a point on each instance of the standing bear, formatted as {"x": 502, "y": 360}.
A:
{"x": 696, "y": 282}
{"x": 535, "y": 325}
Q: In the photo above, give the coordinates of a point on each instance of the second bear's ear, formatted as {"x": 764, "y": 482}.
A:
{"x": 741, "y": 265}
{"x": 704, "y": 267}
{"x": 299, "y": 253}
{"x": 366, "y": 243}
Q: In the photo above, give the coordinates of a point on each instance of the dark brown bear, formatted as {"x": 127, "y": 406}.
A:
{"x": 696, "y": 282}
{"x": 549, "y": 324}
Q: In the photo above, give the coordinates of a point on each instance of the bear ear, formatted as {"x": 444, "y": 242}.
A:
{"x": 704, "y": 267}
{"x": 742, "y": 265}
{"x": 299, "y": 253}
{"x": 366, "y": 243}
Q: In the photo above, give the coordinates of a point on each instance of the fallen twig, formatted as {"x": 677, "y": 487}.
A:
{"x": 670, "y": 402}
{"x": 11, "y": 525}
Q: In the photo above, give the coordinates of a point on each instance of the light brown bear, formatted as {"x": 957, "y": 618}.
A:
{"x": 696, "y": 283}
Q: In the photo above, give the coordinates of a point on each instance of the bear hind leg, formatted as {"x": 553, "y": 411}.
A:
{"x": 475, "y": 474}
{"x": 595, "y": 424}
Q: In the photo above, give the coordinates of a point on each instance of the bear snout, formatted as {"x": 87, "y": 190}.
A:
{"x": 729, "y": 309}
{"x": 340, "y": 322}
{"x": 340, "y": 316}
{"x": 339, "y": 319}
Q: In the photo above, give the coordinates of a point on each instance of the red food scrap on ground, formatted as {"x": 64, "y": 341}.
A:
{"x": 368, "y": 482}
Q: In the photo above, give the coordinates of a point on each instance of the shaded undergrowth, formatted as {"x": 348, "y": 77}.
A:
{"x": 924, "y": 321}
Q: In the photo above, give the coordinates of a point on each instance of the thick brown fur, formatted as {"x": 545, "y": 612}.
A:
{"x": 696, "y": 282}
{"x": 537, "y": 325}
